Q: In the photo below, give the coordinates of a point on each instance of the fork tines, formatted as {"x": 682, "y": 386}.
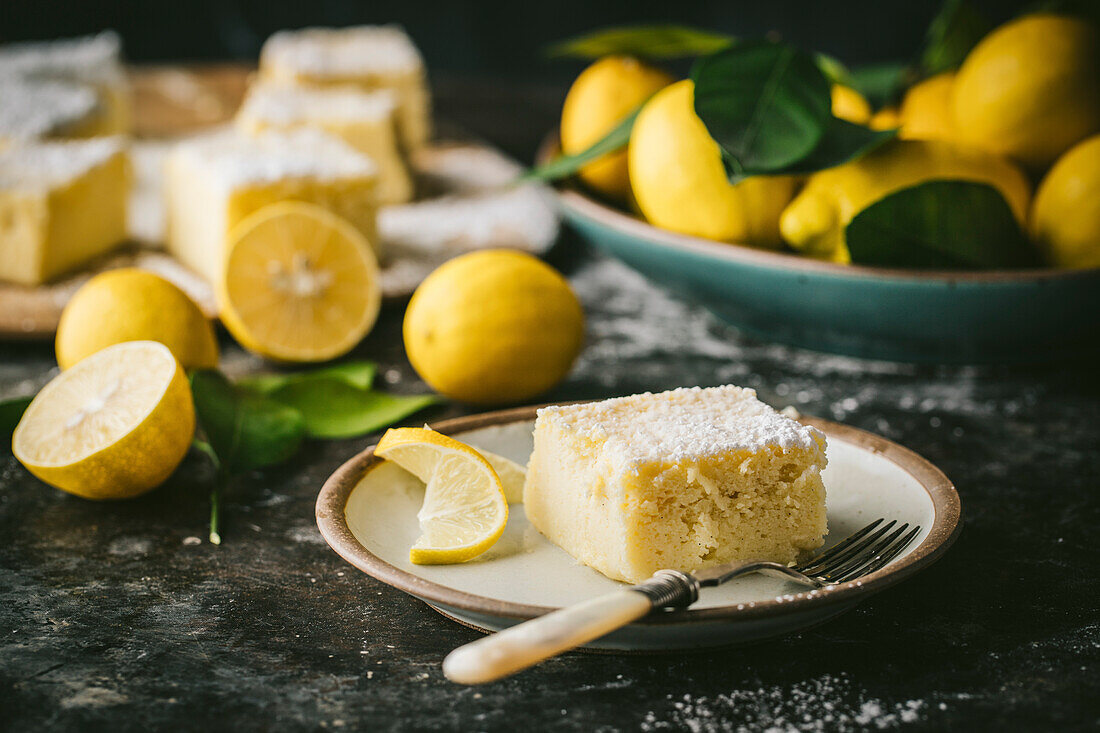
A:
{"x": 862, "y": 553}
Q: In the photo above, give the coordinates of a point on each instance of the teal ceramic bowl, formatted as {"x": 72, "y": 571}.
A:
{"x": 902, "y": 315}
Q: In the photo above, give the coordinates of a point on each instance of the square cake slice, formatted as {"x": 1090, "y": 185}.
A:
{"x": 61, "y": 204}
{"x": 92, "y": 62}
{"x": 364, "y": 120}
{"x": 681, "y": 479}
{"x": 371, "y": 57}
{"x": 215, "y": 181}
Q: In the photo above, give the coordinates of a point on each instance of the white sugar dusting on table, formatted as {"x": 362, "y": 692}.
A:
{"x": 825, "y": 703}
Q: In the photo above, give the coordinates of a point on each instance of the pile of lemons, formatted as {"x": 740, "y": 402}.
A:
{"x": 1023, "y": 109}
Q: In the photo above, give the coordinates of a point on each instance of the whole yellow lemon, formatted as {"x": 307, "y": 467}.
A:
{"x": 1065, "y": 218}
{"x": 1031, "y": 89}
{"x": 680, "y": 184}
{"x": 600, "y": 98}
{"x": 926, "y": 109}
{"x": 129, "y": 304}
{"x": 493, "y": 327}
{"x": 850, "y": 105}
{"x": 815, "y": 221}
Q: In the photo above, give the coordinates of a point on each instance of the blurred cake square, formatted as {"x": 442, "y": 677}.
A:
{"x": 93, "y": 63}
{"x": 364, "y": 120}
{"x": 371, "y": 57}
{"x": 681, "y": 479}
{"x": 215, "y": 181}
{"x": 61, "y": 204}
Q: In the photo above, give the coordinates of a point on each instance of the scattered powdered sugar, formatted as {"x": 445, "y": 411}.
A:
{"x": 825, "y": 703}
{"x": 328, "y": 52}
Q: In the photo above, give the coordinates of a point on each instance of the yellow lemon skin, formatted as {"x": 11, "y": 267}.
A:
{"x": 493, "y": 327}
{"x": 600, "y": 98}
{"x": 887, "y": 118}
{"x": 1031, "y": 89}
{"x": 138, "y": 461}
{"x": 129, "y": 304}
{"x": 926, "y": 110}
{"x": 1065, "y": 218}
{"x": 814, "y": 222}
{"x": 850, "y": 105}
{"x": 679, "y": 182}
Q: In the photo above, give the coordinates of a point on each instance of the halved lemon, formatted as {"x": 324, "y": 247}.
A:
{"x": 464, "y": 510}
{"x": 113, "y": 426}
{"x": 300, "y": 284}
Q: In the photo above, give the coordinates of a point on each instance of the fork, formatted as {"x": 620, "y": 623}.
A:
{"x": 524, "y": 645}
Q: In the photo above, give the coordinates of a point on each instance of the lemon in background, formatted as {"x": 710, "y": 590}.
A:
{"x": 300, "y": 284}
{"x": 815, "y": 221}
{"x": 493, "y": 327}
{"x": 1031, "y": 88}
{"x": 926, "y": 110}
{"x": 134, "y": 305}
{"x": 850, "y": 105}
{"x": 113, "y": 426}
{"x": 680, "y": 184}
{"x": 600, "y": 98}
{"x": 1065, "y": 218}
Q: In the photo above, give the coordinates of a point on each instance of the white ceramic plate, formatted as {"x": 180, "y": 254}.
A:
{"x": 367, "y": 513}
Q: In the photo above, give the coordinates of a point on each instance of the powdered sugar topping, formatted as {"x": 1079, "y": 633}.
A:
{"x": 286, "y": 105}
{"x": 684, "y": 424}
{"x": 49, "y": 164}
{"x": 33, "y": 109}
{"x": 234, "y": 159}
{"x": 334, "y": 53}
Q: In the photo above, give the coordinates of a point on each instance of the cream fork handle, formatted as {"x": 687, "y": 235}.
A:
{"x": 531, "y": 642}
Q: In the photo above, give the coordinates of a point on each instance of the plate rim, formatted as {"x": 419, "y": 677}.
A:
{"x": 574, "y": 200}
{"x": 946, "y": 526}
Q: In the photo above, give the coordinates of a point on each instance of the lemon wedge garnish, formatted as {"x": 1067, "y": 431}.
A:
{"x": 300, "y": 284}
{"x": 464, "y": 510}
{"x": 511, "y": 474}
{"x": 113, "y": 426}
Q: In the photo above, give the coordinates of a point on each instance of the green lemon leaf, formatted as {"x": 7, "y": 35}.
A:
{"x": 332, "y": 408}
{"x": 564, "y": 166}
{"x": 879, "y": 83}
{"x": 245, "y": 429}
{"x": 940, "y": 224}
{"x": 646, "y": 41}
{"x": 841, "y": 142}
{"x": 11, "y": 412}
{"x": 767, "y": 105}
{"x": 951, "y": 35}
{"x": 357, "y": 373}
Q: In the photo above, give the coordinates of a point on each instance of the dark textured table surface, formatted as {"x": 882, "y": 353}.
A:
{"x": 114, "y": 616}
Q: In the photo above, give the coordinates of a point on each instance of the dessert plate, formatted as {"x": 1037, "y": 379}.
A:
{"x": 367, "y": 514}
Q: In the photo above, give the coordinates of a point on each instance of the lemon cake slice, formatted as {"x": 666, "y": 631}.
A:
{"x": 61, "y": 204}
{"x": 370, "y": 56}
{"x": 33, "y": 110}
{"x": 215, "y": 181}
{"x": 680, "y": 479}
{"x": 364, "y": 120}
{"x": 94, "y": 62}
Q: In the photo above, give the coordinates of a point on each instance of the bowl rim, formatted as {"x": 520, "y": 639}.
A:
{"x": 576, "y": 200}
{"x": 946, "y": 526}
